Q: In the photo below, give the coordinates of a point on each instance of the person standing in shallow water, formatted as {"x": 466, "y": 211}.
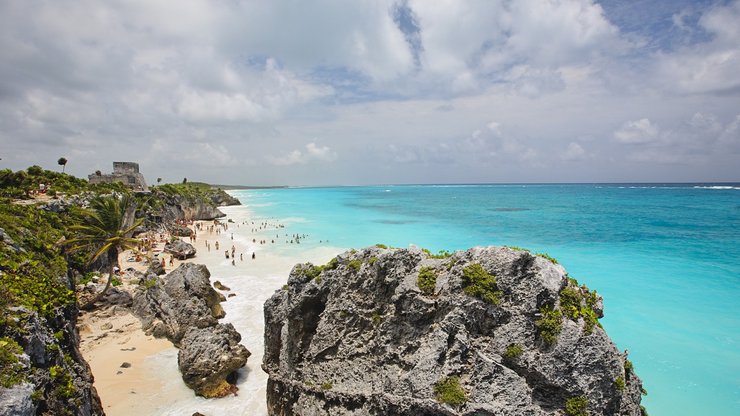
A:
{"x": 253, "y": 256}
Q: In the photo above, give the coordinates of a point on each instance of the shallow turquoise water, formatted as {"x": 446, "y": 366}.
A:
{"x": 666, "y": 258}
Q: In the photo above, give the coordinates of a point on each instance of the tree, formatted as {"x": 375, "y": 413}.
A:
{"x": 159, "y": 180}
{"x": 62, "y": 162}
{"x": 105, "y": 231}
{"x": 184, "y": 180}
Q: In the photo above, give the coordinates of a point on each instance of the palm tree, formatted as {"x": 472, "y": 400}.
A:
{"x": 106, "y": 230}
{"x": 62, "y": 162}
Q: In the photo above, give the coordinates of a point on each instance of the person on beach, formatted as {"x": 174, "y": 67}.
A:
{"x": 253, "y": 256}
{"x": 162, "y": 262}
{"x": 172, "y": 260}
{"x": 226, "y": 253}
{"x": 241, "y": 256}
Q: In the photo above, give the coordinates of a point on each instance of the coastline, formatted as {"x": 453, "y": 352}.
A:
{"x": 153, "y": 384}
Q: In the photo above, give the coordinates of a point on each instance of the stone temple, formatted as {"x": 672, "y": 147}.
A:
{"x": 125, "y": 172}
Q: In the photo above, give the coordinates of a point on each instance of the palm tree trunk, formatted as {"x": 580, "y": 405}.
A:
{"x": 113, "y": 261}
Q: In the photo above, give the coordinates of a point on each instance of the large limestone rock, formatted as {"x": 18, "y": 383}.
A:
{"x": 185, "y": 308}
{"x": 180, "y": 249}
{"x": 183, "y": 299}
{"x": 209, "y": 357}
{"x": 361, "y": 338}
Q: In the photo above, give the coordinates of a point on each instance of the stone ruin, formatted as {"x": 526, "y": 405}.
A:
{"x": 125, "y": 172}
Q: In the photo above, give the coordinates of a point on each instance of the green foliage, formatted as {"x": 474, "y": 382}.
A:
{"x": 326, "y": 386}
{"x": 619, "y": 383}
{"x": 314, "y": 272}
{"x": 116, "y": 281}
{"x": 355, "y": 264}
{"x": 549, "y": 325}
{"x": 515, "y": 248}
{"x": 36, "y": 277}
{"x": 372, "y": 260}
{"x": 479, "y": 283}
{"x": 63, "y": 382}
{"x": 448, "y": 390}
{"x": 381, "y": 245}
{"x": 18, "y": 184}
{"x": 427, "y": 280}
{"x": 548, "y": 257}
{"x": 643, "y": 411}
{"x": 576, "y": 406}
{"x": 513, "y": 352}
{"x": 443, "y": 254}
{"x": 11, "y": 369}
{"x": 578, "y": 302}
{"x": 377, "y": 318}
{"x": 285, "y": 287}
{"x": 628, "y": 367}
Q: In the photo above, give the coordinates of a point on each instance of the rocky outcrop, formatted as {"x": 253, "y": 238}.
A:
{"x": 184, "y": 299}
{"x": 180, "y": 249}
{"x": 209, "y": 357}
{"x": 201, "y": 207}
{"x": 58, "y": 379}
{"x": 184, "y": 308}
{"x": 488, "y": 331}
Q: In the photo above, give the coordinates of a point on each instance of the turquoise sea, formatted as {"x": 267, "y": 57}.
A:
{"x": 666, "y": 258}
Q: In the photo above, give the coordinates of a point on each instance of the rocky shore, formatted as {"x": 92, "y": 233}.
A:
{"x": 488, "y": 331}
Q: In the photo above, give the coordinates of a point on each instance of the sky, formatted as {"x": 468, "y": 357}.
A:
{"x": 336, "y": 92}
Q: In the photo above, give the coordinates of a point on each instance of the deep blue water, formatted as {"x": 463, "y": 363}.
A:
{"x": 666, "y": 258}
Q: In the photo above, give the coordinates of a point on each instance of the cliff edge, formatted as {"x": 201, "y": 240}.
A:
{"x": 401, "y": 332}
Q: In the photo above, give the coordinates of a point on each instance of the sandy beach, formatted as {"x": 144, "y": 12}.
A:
{"x": 150, "y": 382}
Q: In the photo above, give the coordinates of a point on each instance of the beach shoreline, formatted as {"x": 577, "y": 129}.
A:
{"x": 152, "y": 384}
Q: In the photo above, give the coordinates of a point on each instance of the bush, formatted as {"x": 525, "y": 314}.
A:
{"x": 549, "y": 325}
{"x": 479, "y": 283}
{"x": 619, "y": 383}
{"x": 381, "y": 245}
{"x": 578, "y": 302}
{"x": 11, "y": 369}
{"x": 326, "y": 386}
{"x": 448, "y": 390}
{"x": 427, "y": 280}
{"x": 116, "y": 281}
{"x": 548, "y": 257}
{"x": 513, "y": 352}
{"x": 355, "y": 264}
{"x": 576, "y": 406}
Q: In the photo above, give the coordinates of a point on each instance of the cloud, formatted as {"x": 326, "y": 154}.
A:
{"x": 573, "y": 152}
{"x": 637, "y": 132}
{"x": 312, "y": 153}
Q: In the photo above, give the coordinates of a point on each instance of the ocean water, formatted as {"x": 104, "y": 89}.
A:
{"x": 666, "y": 258}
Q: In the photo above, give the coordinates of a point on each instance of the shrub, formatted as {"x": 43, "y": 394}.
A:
{"x": 377, "y": 318}
{"x": 513, "y": 352}
{"x": 479, "y": 283}
{"x": 11, "y": 369}
{"x": 579, "y": 302}
{"x": 628, "y": 366}
{"x": 355, "y": 264}
{"x": 619, "y": 383}
{"x": 381, "y": 245}
{"x": 548, "y": 257}
{"x": 443, "y": 254}
{"x": 576, "y": 406}
{"x": 326, "y": 386}
{"x": 448, "y": 390}
{"x": 427, "y": 280}
{"x": 549, "y": 325}
{"x": 372, "y": 260}
{"x": 116, "y": 281}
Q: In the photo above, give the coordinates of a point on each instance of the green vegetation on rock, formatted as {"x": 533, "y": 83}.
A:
{"x": 427, "y": 280}
{"x": 481, "y": 284}
{"x": 549, "y": 325}
{"x": 442, "y": 254}
{"x": 579, "y": 302}
{"x": 548, "y": 257}
{"x": 355, "y": 264}
{"x": 11, "y": 369}
{"x": 448, "y": 390}
{"x": 619, "y": 383}
{"x": 513, "y": 352}
{"x": 576, "y": 406}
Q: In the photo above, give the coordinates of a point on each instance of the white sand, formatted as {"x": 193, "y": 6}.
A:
{"x": 153, "y": 385}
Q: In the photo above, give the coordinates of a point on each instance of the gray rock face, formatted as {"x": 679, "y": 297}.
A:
{"x": 183, "y": 299}
{"x": 208, "y": 357}
{"x": 363, "y": 339}
{"x": 17, "y": 400}
{"x": 68, "y": 389}
{"x": 180, "y": 231}
{"x": 184, "y": 308}
{"x": 180, "y": 249}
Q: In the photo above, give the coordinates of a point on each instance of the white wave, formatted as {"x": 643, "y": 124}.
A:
{"x": 720, "y": 187}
